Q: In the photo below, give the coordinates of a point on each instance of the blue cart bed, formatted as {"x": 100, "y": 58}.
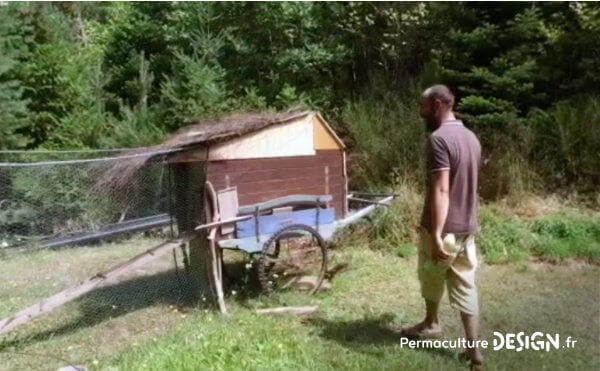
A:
{"x": 255, "y": 224}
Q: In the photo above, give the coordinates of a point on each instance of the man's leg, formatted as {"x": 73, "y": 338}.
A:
{"x": 432, "y": 317}
{"x": 431, "y": 278}
{"x": 471, "y": 325}
{"x": 462, "y": 292}
{"x": 430, "y": 326}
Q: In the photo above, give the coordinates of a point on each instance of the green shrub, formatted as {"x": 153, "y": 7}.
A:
{"x": 557, "y": 237}
{"x": 503, "y": 238}
{"x": 565, "y": 248}
{"x": 565, "y": 236}
{"x": 391, "y": 229}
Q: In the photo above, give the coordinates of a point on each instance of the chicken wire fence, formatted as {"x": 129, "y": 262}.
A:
{"x": 59, "y": 226}
{"x": 54, "y": 199}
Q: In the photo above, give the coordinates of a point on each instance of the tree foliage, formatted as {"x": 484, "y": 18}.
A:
{"x": 85, "y": 75}
{"x": 13, "y": 103}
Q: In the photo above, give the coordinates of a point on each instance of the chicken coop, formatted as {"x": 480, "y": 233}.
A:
{"x": 273, "y": 185}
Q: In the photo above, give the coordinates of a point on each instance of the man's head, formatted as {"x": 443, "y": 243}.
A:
{"x": 436, "y": 103}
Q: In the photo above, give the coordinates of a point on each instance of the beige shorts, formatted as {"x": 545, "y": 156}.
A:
{"x": 457, "y": 272}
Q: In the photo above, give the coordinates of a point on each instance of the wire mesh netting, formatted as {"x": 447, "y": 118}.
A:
{"x": 42, "y": 203}
{"x": 59, "y": 226}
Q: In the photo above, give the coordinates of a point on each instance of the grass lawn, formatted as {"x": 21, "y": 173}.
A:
{"x": 138, "y": 324}
{"x": 139, "y": 306}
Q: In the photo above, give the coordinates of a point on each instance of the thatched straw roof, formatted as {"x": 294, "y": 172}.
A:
{"x": 200, "y": 133}
{"x": 204, "y": 132}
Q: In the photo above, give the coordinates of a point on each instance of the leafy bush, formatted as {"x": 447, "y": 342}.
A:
{"x": 393, "y": 230}
{"x": 557, "y": 237}
{"x": 503, "y": 239}
{"x": 566, "y": 236}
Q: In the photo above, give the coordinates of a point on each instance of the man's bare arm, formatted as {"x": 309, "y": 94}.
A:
{"x": 440, "y": 201}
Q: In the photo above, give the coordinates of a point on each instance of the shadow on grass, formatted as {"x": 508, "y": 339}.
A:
{"x": 361, "y": 334}
{"x": 118, "y": 299}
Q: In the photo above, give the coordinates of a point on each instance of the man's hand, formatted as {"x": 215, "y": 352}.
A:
{"x": 438, "y": 253}
{"x": 440, "y": 201}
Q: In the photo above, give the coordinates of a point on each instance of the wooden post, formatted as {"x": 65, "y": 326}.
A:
{"x": 190, "y": 212}
{"x": 327, "y": 183}
{"x": 212, "y": 213}
{"x": 345, "y": 199}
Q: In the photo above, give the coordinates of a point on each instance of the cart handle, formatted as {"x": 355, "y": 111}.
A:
{"x": 367, "y": 194}
{"x": 221, "y": 222}
{"x": 285, "y": 201}
{"x": 372, "y": 202}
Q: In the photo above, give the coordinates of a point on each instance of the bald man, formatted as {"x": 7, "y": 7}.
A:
{"x": 447, "y": 255}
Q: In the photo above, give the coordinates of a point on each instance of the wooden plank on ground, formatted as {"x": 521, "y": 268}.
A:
{"x": 299, "y": 311}
{"x": 65, "y": 296}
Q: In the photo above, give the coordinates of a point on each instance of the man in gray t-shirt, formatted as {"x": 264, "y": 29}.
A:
{"x": 447, "y": 255}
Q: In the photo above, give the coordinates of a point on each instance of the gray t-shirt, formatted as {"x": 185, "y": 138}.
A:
{"x": 454, "y": 147}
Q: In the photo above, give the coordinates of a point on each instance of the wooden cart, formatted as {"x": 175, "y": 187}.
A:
{"x": 289, "y": 235}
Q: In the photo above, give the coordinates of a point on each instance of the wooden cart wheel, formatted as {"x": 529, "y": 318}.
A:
{"x": 215, "y": 265}
{"x": 294, "y": 257}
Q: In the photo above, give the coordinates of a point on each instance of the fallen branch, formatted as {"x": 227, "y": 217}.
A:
{"x": 299, "y": 311}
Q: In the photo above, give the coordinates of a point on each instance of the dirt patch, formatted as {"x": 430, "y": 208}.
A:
{"x": 576, "y": 263}
{"x": 536, "y": 207}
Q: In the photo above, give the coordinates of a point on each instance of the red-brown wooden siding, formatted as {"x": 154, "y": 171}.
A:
{"x": 259, "y": 180}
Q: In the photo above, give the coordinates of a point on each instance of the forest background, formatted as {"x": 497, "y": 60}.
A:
{"x": 114, "y": 75}
{"x": 105, "y": 75}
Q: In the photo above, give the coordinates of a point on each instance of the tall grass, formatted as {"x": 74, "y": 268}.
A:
{"x": 395, "y": 228}
{"x": 566, "y": 150}
{"x": 507, "y": 238}
{"x": 387, "y": 140}
{"x": 503, "y": 238}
